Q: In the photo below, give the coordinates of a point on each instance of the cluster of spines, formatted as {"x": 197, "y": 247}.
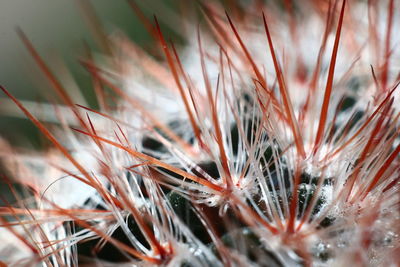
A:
{"x": 281, "y": 200}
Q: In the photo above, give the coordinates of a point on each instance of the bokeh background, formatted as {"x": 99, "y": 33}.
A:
{"x": 58, "y": 30}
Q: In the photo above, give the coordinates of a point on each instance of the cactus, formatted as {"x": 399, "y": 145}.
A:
{"x": 269, "y": 137}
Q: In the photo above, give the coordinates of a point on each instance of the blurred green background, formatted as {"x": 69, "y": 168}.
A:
{"x": 58, "y": 30}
